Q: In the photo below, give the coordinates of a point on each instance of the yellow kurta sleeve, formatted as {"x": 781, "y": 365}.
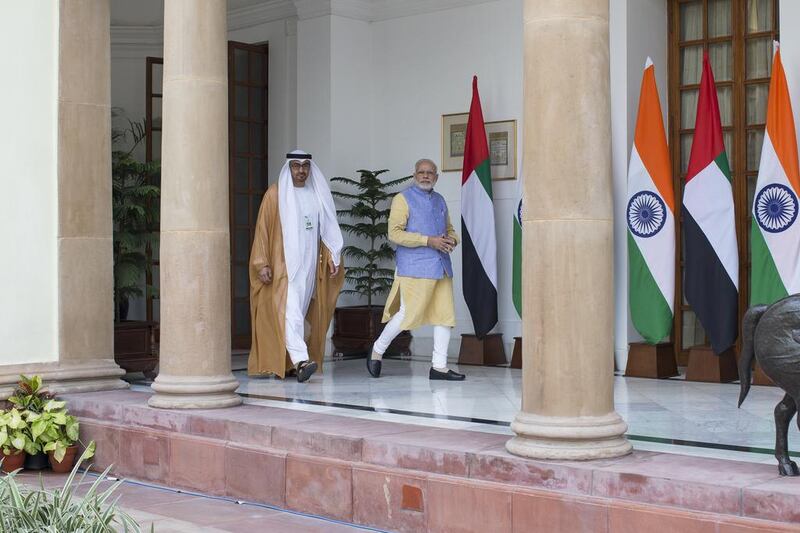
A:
{"x": 451, "y": 232}
{"x": 398, "y": 218}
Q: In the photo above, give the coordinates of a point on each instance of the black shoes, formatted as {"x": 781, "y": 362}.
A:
{"x": 445, "y": 376}
{"x": 374, "y": 366}
{"x": 305, "y": 369}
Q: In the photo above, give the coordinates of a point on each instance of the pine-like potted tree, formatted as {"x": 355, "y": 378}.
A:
{"x": 355, "y": 328}
{"x": 135, "y": 210}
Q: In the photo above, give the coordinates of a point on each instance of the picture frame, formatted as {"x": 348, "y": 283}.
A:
{"x": 501, "y": 139}
{"x": 454, "y": 132}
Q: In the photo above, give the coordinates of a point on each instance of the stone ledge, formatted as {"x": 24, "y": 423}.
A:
{"x": 64, "y": 377}
{"x": 290, "y": 458}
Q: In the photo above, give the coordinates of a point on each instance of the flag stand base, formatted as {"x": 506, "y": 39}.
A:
{"x": 760, "y": 378}
{"x": 488, "y": 351}
{"x": 516, "y": 355}
{"x": 651, "y": 361}
{"x": 704, "y": 365}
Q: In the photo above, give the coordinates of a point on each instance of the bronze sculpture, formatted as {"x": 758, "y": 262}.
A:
{"x": 771, "y": 334}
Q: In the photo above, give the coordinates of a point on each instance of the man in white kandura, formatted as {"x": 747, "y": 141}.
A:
{"x": 422, "y": 292}
{"x": 295, "y": 276}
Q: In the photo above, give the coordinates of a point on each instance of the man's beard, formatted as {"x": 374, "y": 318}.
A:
{"x": 425, "y": 186}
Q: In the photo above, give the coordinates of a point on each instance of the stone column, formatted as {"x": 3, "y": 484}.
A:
{"x": 85, "y": 282}
{"x": 568, "y": 317}
{"x": 195, "y": 365}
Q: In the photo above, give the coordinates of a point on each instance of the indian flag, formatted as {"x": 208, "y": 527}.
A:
{"x": 651, "y": 219}
{"x": 774, "y": 234}
{"x": 711, "y": 258}
{"x": 516, "y": 269}
{"x": 479, "y": 255}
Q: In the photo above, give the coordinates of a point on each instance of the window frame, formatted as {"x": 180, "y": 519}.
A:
{"x": 739, "y": 128}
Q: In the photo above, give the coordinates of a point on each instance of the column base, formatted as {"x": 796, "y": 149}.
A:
{"x": 63, "y": 377}
{"x": 194, "y": 392}
{"x": 569, "y": 438}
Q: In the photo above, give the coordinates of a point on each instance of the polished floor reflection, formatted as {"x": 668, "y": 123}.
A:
{"x": 665, "y": 415}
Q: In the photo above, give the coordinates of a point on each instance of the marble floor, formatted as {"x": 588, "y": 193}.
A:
{"x": 663, "y": 415}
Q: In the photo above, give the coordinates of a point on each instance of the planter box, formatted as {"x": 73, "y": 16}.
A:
{"x": 135, "y": 346}
{"x": 355, "y": 329}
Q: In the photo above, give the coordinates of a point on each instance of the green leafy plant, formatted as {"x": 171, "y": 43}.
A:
{"x": 135, "y": 207}
{"x": 29, "y": 509}
{"x": 29, "y": 394}
{"x": 14, "y": 435}
{"x": 54, "y": 430}
{"x": 369, "y": 215}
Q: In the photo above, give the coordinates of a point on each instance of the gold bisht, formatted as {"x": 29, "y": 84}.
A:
{"x": 268, "y": 301}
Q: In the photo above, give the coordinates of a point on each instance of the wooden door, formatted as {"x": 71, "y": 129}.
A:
{"x": 247, "y": 121}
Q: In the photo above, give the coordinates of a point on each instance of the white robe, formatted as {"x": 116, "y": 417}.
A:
{"x": 301, "y": 288}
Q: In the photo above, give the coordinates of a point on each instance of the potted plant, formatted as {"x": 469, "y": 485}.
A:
{"x": 135, "y": 211}
{"x": 30, "y": 397}
{"x": 15, "y": 440}
{"x": 355, "y": 328}
{"x": 56, "y": 432}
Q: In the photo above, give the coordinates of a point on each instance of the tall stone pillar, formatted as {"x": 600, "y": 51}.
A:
{"x": 568, "y": 316}
{"x": 195, "y": 365}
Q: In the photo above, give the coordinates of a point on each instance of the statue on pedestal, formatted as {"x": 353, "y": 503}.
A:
{"x": 771, "y": 334}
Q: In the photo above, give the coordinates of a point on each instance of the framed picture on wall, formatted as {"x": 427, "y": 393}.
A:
{"x": 454, "y": 135}
{"x": 501, "y": 137}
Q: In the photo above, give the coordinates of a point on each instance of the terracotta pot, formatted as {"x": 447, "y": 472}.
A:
{"x": 66, "y": 464}
{"x": 13, "y": 462}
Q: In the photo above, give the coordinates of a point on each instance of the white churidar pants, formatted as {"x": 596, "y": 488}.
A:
{"x": 441, "y": 338}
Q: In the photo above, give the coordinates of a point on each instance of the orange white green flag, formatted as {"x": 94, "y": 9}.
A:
{"x": 651, "y": 219}
{"x": 775, "y": 233}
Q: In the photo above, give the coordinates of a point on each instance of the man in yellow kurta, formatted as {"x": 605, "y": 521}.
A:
{"x": 422, "y": 292}
{"x": 295, "y": 276}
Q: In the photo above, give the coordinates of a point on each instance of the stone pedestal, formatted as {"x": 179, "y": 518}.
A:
{"x": 195, "y": 365}
{"x": 567, "y": 399}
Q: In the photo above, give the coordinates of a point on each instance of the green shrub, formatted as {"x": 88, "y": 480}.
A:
{"x": 30, "y": 395}
{"x": 14, "y": 433}
{"x": 26, "y": 509}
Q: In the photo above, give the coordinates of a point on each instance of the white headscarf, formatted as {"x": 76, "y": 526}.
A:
{"x": 288, "y": 208}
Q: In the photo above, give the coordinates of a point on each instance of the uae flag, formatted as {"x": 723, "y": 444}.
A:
{"x": 651, "y": 219}
{"x": 711, "y": 278}
{"x": 479, "y": 255}
{"x": 774, "y": 234}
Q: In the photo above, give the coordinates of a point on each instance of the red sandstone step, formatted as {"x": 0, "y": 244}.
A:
{"x": 412, "y": 478}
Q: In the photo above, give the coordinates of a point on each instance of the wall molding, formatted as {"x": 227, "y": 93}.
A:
{"x": 137, "y": 38}
{"x": 267, "y": 11}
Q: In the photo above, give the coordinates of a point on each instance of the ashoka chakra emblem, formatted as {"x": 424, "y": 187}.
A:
{"x": 775, "y": 208}
{"x": 646, "y": 214}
